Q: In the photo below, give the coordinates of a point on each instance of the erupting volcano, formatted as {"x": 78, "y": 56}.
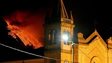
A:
{"x": 28, "y": 26}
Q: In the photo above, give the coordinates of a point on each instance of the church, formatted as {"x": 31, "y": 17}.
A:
{"x": 58, "y": 37}
{"x": 92, "y": 49}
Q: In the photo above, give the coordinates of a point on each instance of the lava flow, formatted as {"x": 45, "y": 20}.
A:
{"x": 28, "y": 26}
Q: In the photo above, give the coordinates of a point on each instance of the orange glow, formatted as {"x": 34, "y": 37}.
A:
{"x": 27, "y": 26}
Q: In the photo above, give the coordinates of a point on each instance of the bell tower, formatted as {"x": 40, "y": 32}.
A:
{"x": 67, "y": 26}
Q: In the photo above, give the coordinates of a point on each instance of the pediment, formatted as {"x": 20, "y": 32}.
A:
{"x": 88, "y": 40}
{"x": 93, "y": 41}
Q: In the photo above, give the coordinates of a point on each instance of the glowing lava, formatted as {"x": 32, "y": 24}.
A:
{"x": 27, "y": 26}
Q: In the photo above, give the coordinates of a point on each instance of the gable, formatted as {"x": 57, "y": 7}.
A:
{"x": 91, "y": 48}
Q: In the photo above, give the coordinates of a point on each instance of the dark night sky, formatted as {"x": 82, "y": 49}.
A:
{"x": 88, "y": 14}
{"x": 6, "y": 8}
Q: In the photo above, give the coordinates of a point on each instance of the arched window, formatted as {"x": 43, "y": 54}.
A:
{"x": 52, "y": 36}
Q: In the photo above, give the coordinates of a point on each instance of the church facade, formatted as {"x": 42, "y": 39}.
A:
{"x": 90, "y": 50}
{"x": 94, "y": 49}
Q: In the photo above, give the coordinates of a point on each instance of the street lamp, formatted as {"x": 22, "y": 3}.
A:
{"x": 65, "y": 37}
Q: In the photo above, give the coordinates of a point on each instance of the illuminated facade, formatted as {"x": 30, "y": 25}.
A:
{"x": 91, "y": 50}
{"x": 94, "y": 49}
{"x": 67, "y": 26}
{"x": 60, "y": 35}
